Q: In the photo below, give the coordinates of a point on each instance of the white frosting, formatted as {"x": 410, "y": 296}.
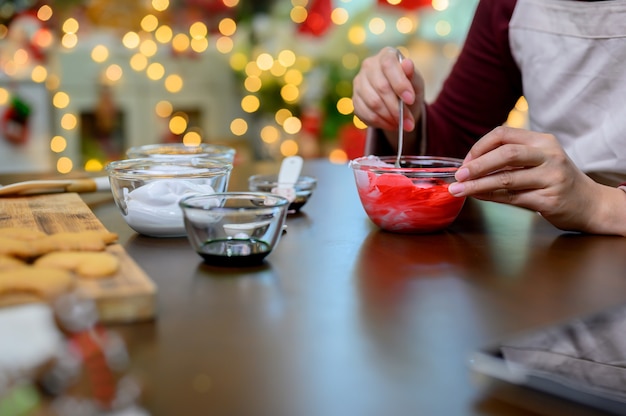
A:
{"x": 153, "y": 208}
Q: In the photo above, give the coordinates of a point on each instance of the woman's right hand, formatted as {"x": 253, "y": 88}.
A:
{"x": 377, "y": 86}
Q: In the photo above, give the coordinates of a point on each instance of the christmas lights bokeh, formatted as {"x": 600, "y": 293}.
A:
{"x": 292, "y": 61}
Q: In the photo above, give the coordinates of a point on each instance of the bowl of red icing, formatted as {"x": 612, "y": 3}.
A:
{"x": 412, "y": 198}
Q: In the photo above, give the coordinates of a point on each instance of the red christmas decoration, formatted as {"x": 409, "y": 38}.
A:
{"x": 352, "y": 140}
{"x": 318, "y": 18}
{"x": 407, "y": 4}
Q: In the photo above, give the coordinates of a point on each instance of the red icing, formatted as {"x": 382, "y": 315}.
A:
{"x": 400, "y": 204}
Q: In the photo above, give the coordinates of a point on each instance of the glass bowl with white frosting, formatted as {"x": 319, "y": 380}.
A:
{"x": 147, "y": 190}
{"x": 175, "y": 150}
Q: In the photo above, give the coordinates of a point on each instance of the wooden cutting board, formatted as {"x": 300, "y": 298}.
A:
{"x": 127, "y": 296}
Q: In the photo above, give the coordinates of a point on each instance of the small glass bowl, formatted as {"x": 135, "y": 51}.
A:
{"x": 411, "y": 199}
{"x": 267, "y": 183}
{"x": 234, "y": 229}
{"x": 169, "y": 150}
{"x": 147, "y": 190}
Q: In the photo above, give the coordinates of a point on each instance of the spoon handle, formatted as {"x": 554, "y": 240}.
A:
{"x": 400, "y": 122}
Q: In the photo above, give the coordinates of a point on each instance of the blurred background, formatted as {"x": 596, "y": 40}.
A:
{"x": 83, "y": 80}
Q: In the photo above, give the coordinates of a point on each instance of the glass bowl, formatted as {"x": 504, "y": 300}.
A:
{"x": 268, "y": 183}
{"x": 147, "y": 190}
{"x": 411, "y": 199}
{"x": 234, "y": 228}
{"x": 169, "y": 150}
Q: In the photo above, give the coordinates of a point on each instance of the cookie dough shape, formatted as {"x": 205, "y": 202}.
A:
{"x": 86, "y": 264}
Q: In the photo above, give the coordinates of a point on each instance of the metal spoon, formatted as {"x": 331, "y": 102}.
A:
{"x": 400, "y": 123}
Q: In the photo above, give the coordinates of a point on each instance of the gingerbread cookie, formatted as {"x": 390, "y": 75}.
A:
{"x": 89, "y": 240}
{"x": 86, "y": 264}
{"x": 42, "y": 282}
{"x": 10, "y": 263}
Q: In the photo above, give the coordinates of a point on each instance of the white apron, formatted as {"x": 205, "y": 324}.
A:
{"x": 572, "y": 55}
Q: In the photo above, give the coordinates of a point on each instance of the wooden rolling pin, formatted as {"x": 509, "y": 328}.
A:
{"x": 56, "y": 185}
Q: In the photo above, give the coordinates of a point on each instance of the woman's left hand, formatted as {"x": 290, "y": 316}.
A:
{"x": 531, "y": 170}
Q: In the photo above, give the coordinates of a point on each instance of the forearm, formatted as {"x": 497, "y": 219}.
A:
{"x": 609, "y": 213}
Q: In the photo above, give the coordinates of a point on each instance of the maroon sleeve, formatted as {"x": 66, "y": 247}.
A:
{"x": 482, "y": 88}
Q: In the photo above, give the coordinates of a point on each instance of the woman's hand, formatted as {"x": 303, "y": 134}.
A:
{"x": 531, "y": 170}
{"x": 376, "y": 88}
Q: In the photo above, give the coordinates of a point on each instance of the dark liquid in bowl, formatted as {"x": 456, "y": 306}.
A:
{"x": 234, "y": 252}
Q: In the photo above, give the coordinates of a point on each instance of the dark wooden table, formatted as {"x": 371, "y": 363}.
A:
{"x": 348, "y": 320}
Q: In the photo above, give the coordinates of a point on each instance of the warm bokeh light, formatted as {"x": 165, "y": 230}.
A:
{"x": 160, "y": 5}
{"x": 277, "y": 70}
{"x": 250, "y": 103}
{"x": 69, "y": 40}
{"x": 149, "y": 23}
{"x": 345, "y": 106}
{"x": 164, "y": 34}
{"x": 230, "y": 3}
{"x": 4, "y": 96}
{"x": 287, "y": 58}
{"x": 252, "y": 84}
{"x": 289, "y": 148}
{"x": 239, "y": 127}
{"x": 238, "y": 61}
{"x": 180, "y": 42}
{"x": 338, "y": 156}
{"x": 178, "y": 124}
{"x": 163, "y": 109}
{"x": 113, "y": 73}
{"x": 199, "y": 45}
{"x": 130, "y": 40}
{"x": 69, "y": 121}
{"x": 155, "y": 71}
{"x": 148, "y": 47}
{"x": 264, "y": 61}
{"x": 252, "y": 69}
{"x": 70, "y": 25}
{"x": 93, "y": 165}
{"x": 227, "y": 27}
{"x": 521, "y": 104}
{"x": 198, "y": 30}
{"x": 282, "y": 115}
{"x": 406, "y": 25}
{"x": 60, "y": 100}
{"x": 292, "y": 125}
{"x": 44, "y": 13}
{"x": 270, "y": 134}
{"x": 440, "y": 5}
{"x": 339, "y": 16}
{"x": 293, "y": 76}
{"x": 39, "y": 74}
{"x": 192, "y": 138}
{"x": 298, "y": 14}
{"x": 290, "y": 93}
{"x": 174, "y": 83}
{"x": 100, "y": 53}
{"x": 64, "y": 165}
{"x": 377, "y": 26}
{"x": 138, "y": 62}
{"x": 358, "y": 123}
{"x": 58, "y": 144}
{"x": 357, "y": 35}
{"x": 224, "y": 44}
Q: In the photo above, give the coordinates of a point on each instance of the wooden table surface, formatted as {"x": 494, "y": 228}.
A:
{"x": 344, "y": 319}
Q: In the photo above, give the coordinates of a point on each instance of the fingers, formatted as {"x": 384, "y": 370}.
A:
{"x": 513, "y": 160}
{"x": 377, "y": 86}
